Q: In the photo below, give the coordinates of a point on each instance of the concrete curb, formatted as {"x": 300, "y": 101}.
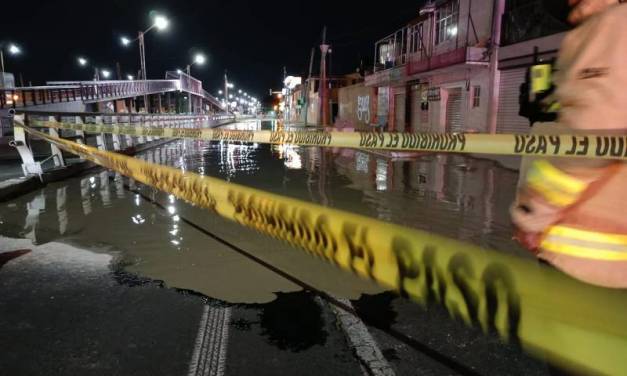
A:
{"x": 360, "y": 340}
{"x": 12, "y": 188}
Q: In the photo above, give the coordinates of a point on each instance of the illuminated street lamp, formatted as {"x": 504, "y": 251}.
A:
{"x": 12, "y": 50}
{"x": 219, "y": 92}
{"x": 83, "y": 62}
{"x": 105, "y": 73}
{"x": 159, "y": 22}
{"x": 130, "y": 77}
{"x": 200, "y": 60}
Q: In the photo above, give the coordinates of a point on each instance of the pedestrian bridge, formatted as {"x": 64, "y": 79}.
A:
{"x": 56, "y": 94}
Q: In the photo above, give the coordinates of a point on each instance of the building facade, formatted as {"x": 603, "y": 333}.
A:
{"x": 433, "y": 74}
{"x": 442, "y": 72}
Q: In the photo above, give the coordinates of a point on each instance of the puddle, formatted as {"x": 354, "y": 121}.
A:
{"x": 96, "y": 210}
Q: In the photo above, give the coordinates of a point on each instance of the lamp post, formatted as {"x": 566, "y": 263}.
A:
{"x": 160, "y": 23}
{"x": 13, "y": 50}
{"x": 227, "y": 85}
{"x": 198, "y": 59}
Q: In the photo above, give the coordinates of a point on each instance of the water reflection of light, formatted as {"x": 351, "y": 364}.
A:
{"x": 361, "y": 162}
{"x": 382, "y": 175}
{"x": 138, "y": 219}
{"x": 176, "y": 218}
{"x": 171, "y": 209}
{"x": 171, "y": 198}
{"x": 174, "y": 232}
{"x": 237, "y": 157}
{"x": 137, "y": 200}
{"x": 292, "y": 158}
{"x": 175, "y": 242}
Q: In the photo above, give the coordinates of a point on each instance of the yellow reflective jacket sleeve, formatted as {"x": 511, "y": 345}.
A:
{"x": 591, "y": 81}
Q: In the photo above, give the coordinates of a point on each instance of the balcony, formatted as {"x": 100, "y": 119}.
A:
{"x": 419, "y": 63}
{"x": 390, "y": 51}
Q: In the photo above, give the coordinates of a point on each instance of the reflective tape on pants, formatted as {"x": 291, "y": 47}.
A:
{"x": 577, "y": 326}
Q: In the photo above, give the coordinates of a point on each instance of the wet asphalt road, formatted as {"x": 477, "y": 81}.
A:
{"x": 116, "y": 284}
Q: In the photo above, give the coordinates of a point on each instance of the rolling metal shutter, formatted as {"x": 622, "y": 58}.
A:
{"x": 507, "y": 118}
{"x": 454, "y": 110}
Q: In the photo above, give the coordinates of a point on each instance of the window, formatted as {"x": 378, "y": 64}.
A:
{"x": 386, "y": 50}
{"x": 476, "y": 96}
{"x": 415, "y": 38}
{"x": 446, "y": 22}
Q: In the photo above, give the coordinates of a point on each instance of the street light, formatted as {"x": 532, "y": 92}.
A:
{"x": 106, "y": 73}
{"x": 198, "y": 59}
{"x": 83, "y": 62}
{"x": 219, "y": 92}
{"x": 130, "y": 77}
{"x": 160, "y": 23}
{"x": 12, "y": 50}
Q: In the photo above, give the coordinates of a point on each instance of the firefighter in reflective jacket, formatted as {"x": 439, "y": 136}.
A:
{"x": 573, "y": 212}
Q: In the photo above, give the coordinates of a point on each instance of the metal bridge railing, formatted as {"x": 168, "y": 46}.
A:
{"x": 95, "y": 91}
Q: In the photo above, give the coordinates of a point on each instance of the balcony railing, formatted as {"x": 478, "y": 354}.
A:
{"x": 391, "y": 51}
{"x": 96, "y": 91}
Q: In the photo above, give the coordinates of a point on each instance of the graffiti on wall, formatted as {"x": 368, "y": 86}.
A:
{"x": 363, "y": 108}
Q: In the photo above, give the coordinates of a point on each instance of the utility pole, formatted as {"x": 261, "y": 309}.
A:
{"x": 118, "y": 70}
{"x": 142, "y": 64}
{"x": 188, "y": 69}
{"x": 311, "y": 60}
{"x": 495, "y": 74}
{"x": 324, "y": 48}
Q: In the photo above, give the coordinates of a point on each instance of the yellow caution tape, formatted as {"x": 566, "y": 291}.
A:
{"x": 579, "y": 146}
{"x": 575, "y": 325}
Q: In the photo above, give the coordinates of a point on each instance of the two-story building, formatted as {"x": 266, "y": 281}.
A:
{"x": 433, "y": 74}
{"x": 443, "y": 71}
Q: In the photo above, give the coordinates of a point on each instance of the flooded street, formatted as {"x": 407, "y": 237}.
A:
{"x": 273, "y": 299}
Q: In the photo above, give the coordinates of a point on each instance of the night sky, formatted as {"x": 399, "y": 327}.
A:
{"x": 252, "y": 39}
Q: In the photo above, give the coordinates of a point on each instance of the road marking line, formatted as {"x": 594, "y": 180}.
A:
{"x": 209, "y": 356}
{"x": 361, "y": 341}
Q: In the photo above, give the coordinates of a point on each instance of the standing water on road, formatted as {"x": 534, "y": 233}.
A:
{"x": 452, "y": 195}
